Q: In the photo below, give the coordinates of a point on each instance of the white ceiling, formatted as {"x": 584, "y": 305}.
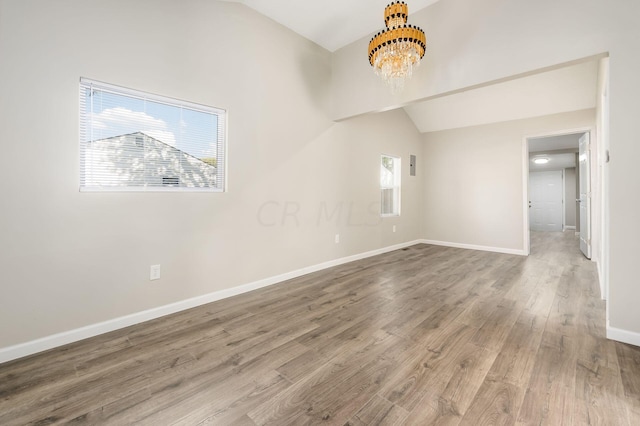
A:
{"x": 556, "y": 162}
{"x": 330, "y": 23}
{"x": 335, "y": 23}
{"x": 548, "y": 147}
{"x": 552, "y": 143}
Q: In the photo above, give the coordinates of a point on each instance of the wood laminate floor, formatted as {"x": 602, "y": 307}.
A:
{"x": 420, "y": 336}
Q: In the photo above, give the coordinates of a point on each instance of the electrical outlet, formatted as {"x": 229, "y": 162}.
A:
{"x": 337, "y": 239}
{"x": 154, "y": 272}
{"x": 394, "y": 228}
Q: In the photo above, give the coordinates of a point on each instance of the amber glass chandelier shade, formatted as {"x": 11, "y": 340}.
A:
{"x": 395, "y": 51}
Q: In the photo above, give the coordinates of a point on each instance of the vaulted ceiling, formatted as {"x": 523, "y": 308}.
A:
{"x": 336, "y": 23}
{"x": 330, "y": 23}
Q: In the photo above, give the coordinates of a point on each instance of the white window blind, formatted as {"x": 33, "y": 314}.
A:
{"x": 130, "y": 140}
{"x": 389, "y": 186}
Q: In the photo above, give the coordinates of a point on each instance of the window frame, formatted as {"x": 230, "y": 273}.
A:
{"x": 221, "y": 137}
{"x": 396, "y": 187}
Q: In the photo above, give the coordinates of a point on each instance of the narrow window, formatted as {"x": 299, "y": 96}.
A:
{"x": 131, "y": 140}
{"x": 390, "y": 186}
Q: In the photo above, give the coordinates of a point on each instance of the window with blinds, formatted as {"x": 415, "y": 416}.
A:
{"x": 389, "y": 186}
{"x": 135, "y": 141}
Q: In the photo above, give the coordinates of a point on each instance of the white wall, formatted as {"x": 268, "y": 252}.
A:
{"x": 571, "y": 88}
{"x": 477, "y": 42}
{"x": 71, "y": 259}
{"x": 473, "y": 188}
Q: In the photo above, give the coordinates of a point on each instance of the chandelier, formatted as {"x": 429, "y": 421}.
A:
{"x": 396, "y": 50}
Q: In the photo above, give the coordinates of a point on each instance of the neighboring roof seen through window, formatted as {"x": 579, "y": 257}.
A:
{"x": 136, "y": 141}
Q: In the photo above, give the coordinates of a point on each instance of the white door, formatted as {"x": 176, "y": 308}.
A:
{"x": 545, "y": 198}
{"x": 585, "y": 195}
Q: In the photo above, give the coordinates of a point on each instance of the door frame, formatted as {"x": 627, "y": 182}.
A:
{"x": 525, "y": 176}
{"x": 589, "y": 207}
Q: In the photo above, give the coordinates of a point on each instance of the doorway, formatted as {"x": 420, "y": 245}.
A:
{"x": 558, "y": 195}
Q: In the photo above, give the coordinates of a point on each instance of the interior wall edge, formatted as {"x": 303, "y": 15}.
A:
{"x": 601, "y": 278}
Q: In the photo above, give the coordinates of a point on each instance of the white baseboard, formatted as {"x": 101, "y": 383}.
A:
{"x": 568, "y": 227}
{"x": 624, "y": 336}
{"x": 49, "y": 342}
{"x": 475, "y": 247}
